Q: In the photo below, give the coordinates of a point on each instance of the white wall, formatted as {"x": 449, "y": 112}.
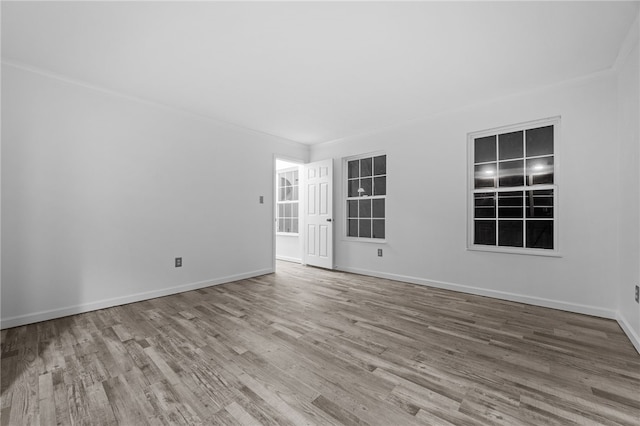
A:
{"x": 427, "y": 193}
{"x": 100, "y": 192}
{"x": 288, "y": 248}
{"x": 629, "y": 189}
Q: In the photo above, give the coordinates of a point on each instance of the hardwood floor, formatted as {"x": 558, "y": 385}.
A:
{"x": 308, "y": 346}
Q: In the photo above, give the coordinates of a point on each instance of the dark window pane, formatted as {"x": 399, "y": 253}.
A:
{"x": 352, "y": 227}
{"x": 353, "y": 187}
{"x": 510, "y": 199}
{"x": 378, "y": 228}
{"x": 510, "y": 204}
{"x": 540, "y": 141}
{"x": 540, "y": 212}
{"x": 485, "y": 176}
{"x": 380, "y": 165}
{"x": 485, "y": 232}
{"x": 295, "y": 194}
{"x": 510, "y": 145}
{"x": 510, "y": 233}
{"x": 380, "y": 185}
{"x": 366, "y": 184}
{"x": 365, "y": 228}
{"x": 485, "y": 205}
{"x": 545, "y": 196}
{"x": 510, "y": 212}
{"x": 280, "y": 225}
{"x": 354, "y": 169}
{"x": 540, "y": 203}
{"x": 366, "y": 167}
{"x": 287, "y": 225}
{"x": 540, "y": 171}
{"x": 294, "y": 225}
{"x": 511, "y": 173}
{"x": 485, "y": 149}
{"x": 287, "y": 210}
{"x": 280, "y": 210}
{"x": 294, "y": 213}
{"x": 352, "y": 208}
{"x": 540, "y": 234}
{"x": 365, "y": 208}
{"x": 281, "y": 194}
{"x": 485, "y": 199}
{"x": 378, "y": 207}
{"x": 485, "y": 213}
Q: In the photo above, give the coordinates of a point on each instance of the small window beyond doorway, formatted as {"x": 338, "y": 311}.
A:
{"x": 287, "y": 211}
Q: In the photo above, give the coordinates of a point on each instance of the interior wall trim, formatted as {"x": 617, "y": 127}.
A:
{"x": 289, "y": 259}
{"x": 114, "y": 93}
{"x": 628, "y": 44}
{"x": 123, "y": 300}
{"x": 478, "y": 291}
{"x": 628, "y": 330}
{"x": 512, "y": 297}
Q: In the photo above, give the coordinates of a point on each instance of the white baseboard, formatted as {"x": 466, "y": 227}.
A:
{"x": 123, "y": 300}
{"x": 628, "y": 330}
{"x": 289, "y": 259}
{"x": 513, "y": 297}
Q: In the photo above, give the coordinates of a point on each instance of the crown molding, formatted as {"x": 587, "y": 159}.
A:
{"x": 575, "y": 81}
{"x": 629, "y": 43}
{"x": 114, "y": 93}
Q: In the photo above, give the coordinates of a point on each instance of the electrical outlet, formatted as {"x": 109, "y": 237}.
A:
{"x": 178, "y": 262}
{"x": 379, "y": 252}
{"x": 262, "y": 199}
{"x": 637, "y": 294}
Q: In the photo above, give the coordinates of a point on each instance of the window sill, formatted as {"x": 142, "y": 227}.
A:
{"x": 506, "y": 250}
{"x": 287, "y": 234}
{"x": 364, "y": 240}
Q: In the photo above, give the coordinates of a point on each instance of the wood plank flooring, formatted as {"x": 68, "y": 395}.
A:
{"x": 308, "y": 346}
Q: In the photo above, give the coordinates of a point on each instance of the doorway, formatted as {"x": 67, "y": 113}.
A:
{"x": 303, "y": 212}
{"x": 288, "y": 205}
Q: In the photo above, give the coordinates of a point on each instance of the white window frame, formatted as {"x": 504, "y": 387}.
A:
{"x": 346, "y": 198}
{"x": 555, "y": 252}
{"x": 291, "y": 202}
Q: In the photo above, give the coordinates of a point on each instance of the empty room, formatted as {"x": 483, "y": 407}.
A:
{"x": 320, "y": 213}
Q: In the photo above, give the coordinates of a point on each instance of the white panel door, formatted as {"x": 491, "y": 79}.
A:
{"x": 318, "y": 234}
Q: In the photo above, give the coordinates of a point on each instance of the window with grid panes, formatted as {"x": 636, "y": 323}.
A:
{"x": 366, "y": 196}
{"x": 514, "y": 188}
{"x": 287, "y": 203}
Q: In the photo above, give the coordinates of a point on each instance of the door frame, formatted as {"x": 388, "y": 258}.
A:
{"x": 274, "y": 197}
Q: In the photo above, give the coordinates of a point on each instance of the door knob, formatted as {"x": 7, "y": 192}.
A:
{"x": 329, "y": 220}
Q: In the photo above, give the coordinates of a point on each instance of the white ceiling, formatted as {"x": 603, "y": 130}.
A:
{"x": 314, "y": 72}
